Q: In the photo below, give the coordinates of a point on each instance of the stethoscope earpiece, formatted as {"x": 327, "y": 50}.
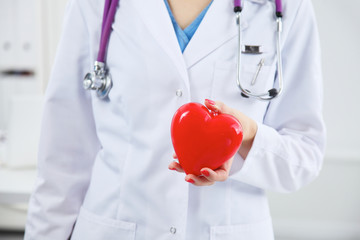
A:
{"x": 273, "y": 92}
{"x": 243, "y": 95}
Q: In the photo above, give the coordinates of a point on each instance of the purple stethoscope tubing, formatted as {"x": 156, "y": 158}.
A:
{"x": 100, "y": 80}
{"x": 278, "y": 4}
{"x": 108, "y": 18}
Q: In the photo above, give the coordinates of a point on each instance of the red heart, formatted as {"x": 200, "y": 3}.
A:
{"x": 203, "y": 138}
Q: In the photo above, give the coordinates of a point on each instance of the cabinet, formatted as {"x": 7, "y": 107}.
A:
{"x": 29, "y": 33}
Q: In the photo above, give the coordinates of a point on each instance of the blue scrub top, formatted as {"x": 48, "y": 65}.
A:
{"x": 184, "y": 36}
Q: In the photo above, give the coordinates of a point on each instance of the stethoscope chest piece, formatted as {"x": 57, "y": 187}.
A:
{"x": 98, "y": 80}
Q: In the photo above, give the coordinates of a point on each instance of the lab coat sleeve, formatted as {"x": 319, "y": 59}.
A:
{"x": 287, "y": 152}
{"x": 68, "y": 142}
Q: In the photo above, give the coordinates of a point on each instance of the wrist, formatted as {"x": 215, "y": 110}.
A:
{"x": 250, "y": 131}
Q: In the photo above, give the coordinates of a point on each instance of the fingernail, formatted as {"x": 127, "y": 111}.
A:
{"x": 172, "y": 168}
{"x": 211, "y": 102}
{"x": 190, "y": 180}
{"x": 205, "y": 173}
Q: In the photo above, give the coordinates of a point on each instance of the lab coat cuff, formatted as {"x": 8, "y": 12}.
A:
{"x": 245, "y": 169}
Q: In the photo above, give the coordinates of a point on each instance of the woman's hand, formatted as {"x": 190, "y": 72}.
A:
{"x": 249, "y": 126}
{"x": 210, "y": 176}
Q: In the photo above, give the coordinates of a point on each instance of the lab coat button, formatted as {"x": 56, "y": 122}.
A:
{"x": 173, "y": 230}
{"x": 179, "y": 93}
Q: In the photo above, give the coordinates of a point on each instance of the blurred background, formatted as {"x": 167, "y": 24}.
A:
{"x": 327, "y": 209}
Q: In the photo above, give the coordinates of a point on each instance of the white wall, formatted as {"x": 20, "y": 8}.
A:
{"x": 329, "y": 208}
{"x": 339, "y": 26}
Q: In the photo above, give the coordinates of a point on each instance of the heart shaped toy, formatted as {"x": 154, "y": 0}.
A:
{"x": 203, "y": 138}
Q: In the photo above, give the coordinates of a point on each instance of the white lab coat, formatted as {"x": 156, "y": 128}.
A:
{"x": 103, "y": 164}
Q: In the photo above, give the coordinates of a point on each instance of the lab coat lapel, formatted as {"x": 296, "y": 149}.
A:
{"x": 156, "y": 17}
{"x": 217, "y": 27}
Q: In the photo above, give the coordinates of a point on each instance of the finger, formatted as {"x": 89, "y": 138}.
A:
{"x": 175, "y": 156}
{"x": 210, "y": 104}
{"x": 219, "y": 107}
{"x": 218, "y": 175}
{"x": 175, "y": 166}
{"x": 198, "y": 180}
{"x": 225, "y": 108}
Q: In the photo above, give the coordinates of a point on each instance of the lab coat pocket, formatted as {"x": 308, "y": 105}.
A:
{"x": 93, "y": 227}
{"x": 257, "y": 79}
{"x": 254, "y": 231}
{"x": 225, "y": 86}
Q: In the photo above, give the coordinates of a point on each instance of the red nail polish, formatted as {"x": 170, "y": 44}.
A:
{"x": 205, "y": 173}
{"x": 190, "y": 180}
{"x": 211, "y": 102}
{"x": 172, "y": 168}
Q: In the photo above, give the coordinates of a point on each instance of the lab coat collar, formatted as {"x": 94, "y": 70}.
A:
{"x": 217, "y": 27}
{"x": 156, "y": 17}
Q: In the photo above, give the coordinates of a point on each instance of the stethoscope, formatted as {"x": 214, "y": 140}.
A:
{"x": 100, "y": 80}
{"x": 272, "y": 93}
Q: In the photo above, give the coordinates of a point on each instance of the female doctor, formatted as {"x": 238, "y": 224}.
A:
{"x": 103, "y": 163}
